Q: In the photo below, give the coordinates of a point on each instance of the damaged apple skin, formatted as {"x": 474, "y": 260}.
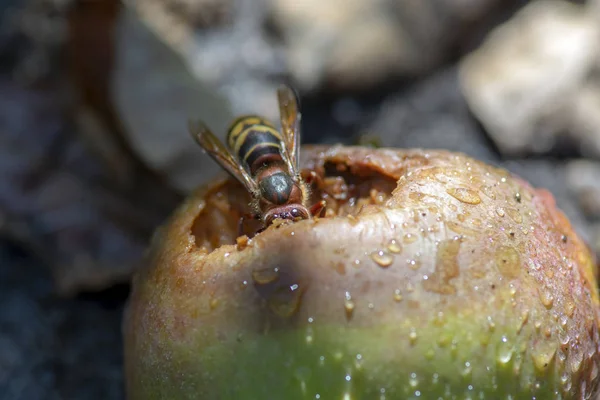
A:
{"x": 463, "y": 282}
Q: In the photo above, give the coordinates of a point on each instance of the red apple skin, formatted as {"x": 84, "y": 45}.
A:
{"x": 465, "y": 282}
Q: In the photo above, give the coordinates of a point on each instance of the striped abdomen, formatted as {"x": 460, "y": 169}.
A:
{"x": 255, "y": 142}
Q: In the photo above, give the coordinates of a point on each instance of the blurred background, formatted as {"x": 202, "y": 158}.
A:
{"x": 94, "y": 153}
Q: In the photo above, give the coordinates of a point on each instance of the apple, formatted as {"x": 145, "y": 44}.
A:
{"x": 432, "y": 275}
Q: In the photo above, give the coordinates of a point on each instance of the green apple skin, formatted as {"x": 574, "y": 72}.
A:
{"x": 465, "y": 283}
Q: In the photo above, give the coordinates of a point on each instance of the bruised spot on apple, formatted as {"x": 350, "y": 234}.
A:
{"x": 432, "y": 275}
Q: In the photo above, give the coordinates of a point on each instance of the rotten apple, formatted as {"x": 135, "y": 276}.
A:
{"x": 432, "y": 275}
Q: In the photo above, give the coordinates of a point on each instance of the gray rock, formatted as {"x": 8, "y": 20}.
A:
{"x": 432, "y": 114}
{"x": 41, "y": 28}
{"x": 355, "y": 44}
{"x": 351, "y": 44}
{"x": 51, "y": 348}
{"x": 60, "y": 201}
{"x": 527, "y": 83}
{"x": 584, "y": 113}
{"x": 237, "y": 60}
{"x": 582, "y": 177}
{"x": 155, "y": 97}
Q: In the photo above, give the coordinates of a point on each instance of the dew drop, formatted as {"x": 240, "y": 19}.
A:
{"x": 564, "y": 320}
{"x": 561, "y": 357}
{"x": 508, "y": 261}
{"x": 382, "y": 258}
{"x": 500, "y": 211}
{"x": 394, "y": 247}
{"x": 309, "y": 335}
{"x": 213, "y": 303}
{"x": 504, "y": 351}
{"x": 358, "y": 361}
{"x": 444, "y": 340}
{"x": 547, "y": 298}
{"x": 412, "y": 336}
{"x": 285, "y": 301}
{"x": 576, "y": 360}
{"x": 349, "y": 306}
{"x": 515, "y": 215}
{"x": 265, "y": 276}
{"x": 543, "y": 354}
{"x": 430, "y": 354}
{"x": 467, "y": 369}
{"x": 565, "y": 380}
{"x": 413, "y": 381}
{"x": 463, "y": 229}
{"x": 464, "y": 195}
{"x": 490, "y": 323}
{"x": 413, "y": 264}
{"x": 302, "y": 374}
{"x": 523, "y": 320}
{"x": 517, "y": 366}
{"x": 547, "y": 332}
{"x": 409, "y": 238}
{"x": 569, "y": 308}
{"x": 439, "y": 319}
{"x": 488, "y": 191}
{"x": 397, "y": 295}
{"x": 518, "y": 197}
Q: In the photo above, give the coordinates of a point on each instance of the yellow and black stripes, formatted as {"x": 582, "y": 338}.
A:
{"x": 254, "y": 140}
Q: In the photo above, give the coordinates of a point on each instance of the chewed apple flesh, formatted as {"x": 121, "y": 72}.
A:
{"x": 432, "y": 275}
